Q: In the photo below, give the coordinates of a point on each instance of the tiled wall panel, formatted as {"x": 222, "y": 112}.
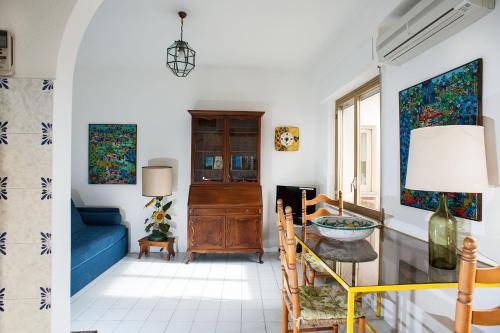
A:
{"x": 25, "y": 204}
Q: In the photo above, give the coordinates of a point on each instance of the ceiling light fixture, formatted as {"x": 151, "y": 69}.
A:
{"x": 180, "y": 57}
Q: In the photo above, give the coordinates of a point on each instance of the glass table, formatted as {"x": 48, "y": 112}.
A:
{"x": 387, "y": 260}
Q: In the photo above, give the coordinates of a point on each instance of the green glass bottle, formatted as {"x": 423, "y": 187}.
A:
{"x": 442, "y": 237}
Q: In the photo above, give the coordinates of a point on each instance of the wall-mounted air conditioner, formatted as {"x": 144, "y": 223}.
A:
{"x": 425, "y": 24}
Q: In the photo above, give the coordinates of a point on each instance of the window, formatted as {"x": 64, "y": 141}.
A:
{"x": 358, "y": 149}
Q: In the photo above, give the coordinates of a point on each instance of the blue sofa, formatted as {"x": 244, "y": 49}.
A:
{"x": 98, "y": 241}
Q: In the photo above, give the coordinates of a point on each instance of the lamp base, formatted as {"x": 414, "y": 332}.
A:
{"x": 443, "y": 237}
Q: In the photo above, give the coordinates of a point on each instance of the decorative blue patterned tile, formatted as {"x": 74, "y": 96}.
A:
{"x": 3, "y": 132}
{"x": 25, "y": 105}
{"x": 46, "y": 243}
{"x": 47, "y": 85}
{"x": 3, "y": 188}
{"x": 3, "y": 239}
{"x": 46, "y": 133}
{"x": 2, "y": 296}
{"x": 45, "y": 298}
{"x": 4, "y": 83}
{"x": 46, "y": 188}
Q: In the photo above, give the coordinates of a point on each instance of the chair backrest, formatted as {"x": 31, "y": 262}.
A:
{"x": 288, "y": 258}
{"x": 468, "y": 276}
{"x": 321, "y": 211}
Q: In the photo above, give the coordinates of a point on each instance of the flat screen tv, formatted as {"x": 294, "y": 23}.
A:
{"x": 292, "y": 196}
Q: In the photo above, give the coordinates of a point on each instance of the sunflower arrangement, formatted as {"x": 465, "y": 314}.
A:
{"x": 158, "y": 222}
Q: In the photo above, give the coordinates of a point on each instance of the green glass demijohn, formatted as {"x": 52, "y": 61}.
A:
{"x": 443, "y": 237}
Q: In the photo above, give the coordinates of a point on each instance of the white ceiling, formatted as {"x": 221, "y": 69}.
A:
{"x": 282, "y": 34}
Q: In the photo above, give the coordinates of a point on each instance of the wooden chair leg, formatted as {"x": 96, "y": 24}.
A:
{"x": 304, "y": 272}
{"x": 335, "y": 329}
{"x": 361, "y": 325}
{"x": 312, "y": 276}
{"x": 284, "y": 317}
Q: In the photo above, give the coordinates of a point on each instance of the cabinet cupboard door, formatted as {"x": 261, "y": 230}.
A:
{"x": 206, "y": 231}
{"x": 243, "y": 232}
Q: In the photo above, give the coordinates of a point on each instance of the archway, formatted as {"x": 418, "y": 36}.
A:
{"x": 75, "y": 28}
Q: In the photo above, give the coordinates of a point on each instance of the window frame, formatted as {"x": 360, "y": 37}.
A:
{"x": 355, "y": 95}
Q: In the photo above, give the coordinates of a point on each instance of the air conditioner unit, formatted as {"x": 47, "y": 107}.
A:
{"x": 425, "y": 24}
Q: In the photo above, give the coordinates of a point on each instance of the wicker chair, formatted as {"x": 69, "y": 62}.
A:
{"x": 310, "y": 268}
{"x": 311, "y": 308}
{"x": 469, "y": 275}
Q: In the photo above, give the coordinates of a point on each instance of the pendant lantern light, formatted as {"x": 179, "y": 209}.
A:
{"x": 180, "y": 56}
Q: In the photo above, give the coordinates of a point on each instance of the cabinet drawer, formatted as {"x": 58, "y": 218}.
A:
{"x": 206, "y": 211}
{"x": 244, "y": 211}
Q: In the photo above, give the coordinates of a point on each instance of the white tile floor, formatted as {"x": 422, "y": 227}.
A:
{"x": 215, "y": 293}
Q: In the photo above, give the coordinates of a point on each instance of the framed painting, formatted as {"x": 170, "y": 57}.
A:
{"x": 452, "y": 98}
{"x": 112, "y": 154}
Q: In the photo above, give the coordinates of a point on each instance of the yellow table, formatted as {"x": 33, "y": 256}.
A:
{"x": 391, "y": 261}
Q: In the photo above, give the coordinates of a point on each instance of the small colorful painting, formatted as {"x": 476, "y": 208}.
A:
{"x": 286, "y": 139}
{"x": 452, "y": 98}
{"x": 112, "y": 154}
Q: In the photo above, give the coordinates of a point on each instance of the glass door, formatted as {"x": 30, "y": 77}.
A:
{"x": 243, "y": 138}
{"x": 208, "y": 150}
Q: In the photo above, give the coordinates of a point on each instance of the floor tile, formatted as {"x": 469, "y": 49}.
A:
{"x": 206, "y": 315}
{"x": 129, "y": 327}
{"x": 253, "y": 327}
{"x": 161, "y": 315}
{"x": 137, "y": 314}
{"x": 199, "y": 327}
{"x": 114, "y": 314}
{"x": 229, "y": 315}
{"x": 105, "y": 326}
{"x": 228, "y": 327}
{"x": 92, "y": 314}
{"x": 153, "y": 327}
{"x": 82, "y": 325}
{"x": 252, "y": 315}
{"x": 179, "y": 327}
{"x": 184, "y": 315}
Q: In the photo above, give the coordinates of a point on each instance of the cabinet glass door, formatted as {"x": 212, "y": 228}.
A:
{"x": 208, "y": 150}
{"x": 243, "y": 137}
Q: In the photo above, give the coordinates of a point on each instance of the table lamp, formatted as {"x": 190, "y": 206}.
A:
{"x": 157, "y": 183}
{"x": 446, "y": 159}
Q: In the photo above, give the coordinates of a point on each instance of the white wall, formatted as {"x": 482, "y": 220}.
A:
{"x": 426, "y": 311}
{"x": 158, "y": 102}
{"x": 37, "y": 27}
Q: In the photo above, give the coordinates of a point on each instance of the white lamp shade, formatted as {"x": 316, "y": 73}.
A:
{"x": 156, "y": 181}
{"x": 447, "y": 159}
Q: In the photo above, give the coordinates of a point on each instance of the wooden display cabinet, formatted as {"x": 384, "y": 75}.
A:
{"x": 225, "y": 196}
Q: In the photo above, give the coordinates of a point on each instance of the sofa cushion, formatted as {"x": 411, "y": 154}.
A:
{"x": 90, "y": 241}
{"x": 100, "y": 216}
{"x": 76, "y": 220}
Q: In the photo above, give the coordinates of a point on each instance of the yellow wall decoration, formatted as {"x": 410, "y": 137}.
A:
{"x": 286, "y": 139}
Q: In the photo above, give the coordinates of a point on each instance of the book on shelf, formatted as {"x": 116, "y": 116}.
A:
{"x": 218, "y": 162}
{"x": 236, "y": 162}
{"x": 209, "y": 162}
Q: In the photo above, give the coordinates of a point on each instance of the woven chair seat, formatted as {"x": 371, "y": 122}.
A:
{"x": 323, "y": 306}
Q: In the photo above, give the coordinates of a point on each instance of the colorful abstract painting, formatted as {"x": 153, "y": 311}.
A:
{"x": 112, "y": 154}
{"x": 452, "y": 98}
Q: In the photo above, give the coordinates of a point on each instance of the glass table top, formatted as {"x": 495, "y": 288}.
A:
{"x": 386, "y": 257}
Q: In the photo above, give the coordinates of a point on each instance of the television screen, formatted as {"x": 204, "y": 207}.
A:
{"x": 292, "y": 196}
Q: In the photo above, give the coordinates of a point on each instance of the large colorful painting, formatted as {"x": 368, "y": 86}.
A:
{"x": 452, "y": 98}
{"x": 112, "y": 154}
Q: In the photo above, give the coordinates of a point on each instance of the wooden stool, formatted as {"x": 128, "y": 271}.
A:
{"x": 167, "y": 245}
